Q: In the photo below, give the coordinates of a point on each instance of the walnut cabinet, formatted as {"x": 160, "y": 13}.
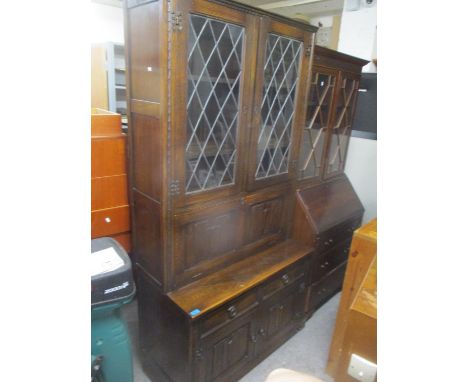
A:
{"x": 222, "y": 100}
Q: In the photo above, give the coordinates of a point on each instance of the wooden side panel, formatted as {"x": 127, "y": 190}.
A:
{"x": 147, "y": 236}
{"x": 99, "y": 77}
{"x": 146, "y": 153}
{"x": 363, "y": 249}
{"x": 144, "y": 46}
{"x": 164, "y": 332}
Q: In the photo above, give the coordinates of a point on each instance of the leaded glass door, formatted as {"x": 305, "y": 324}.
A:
{"x": 318, "y": 118}
{"x": 341, "y": 125}
{"x": 210, "y": 114}
{"x": 282, "y": 64}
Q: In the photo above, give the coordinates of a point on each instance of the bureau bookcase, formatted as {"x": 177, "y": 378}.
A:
{"x": 229, "y": 216}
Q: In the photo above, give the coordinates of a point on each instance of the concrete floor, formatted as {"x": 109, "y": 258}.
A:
{"x": 307, "y": 351}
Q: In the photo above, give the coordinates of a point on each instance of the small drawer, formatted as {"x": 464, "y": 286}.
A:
{"x": 227, "y": 313}
{"x": 110, "y": 221}
{"x": 108, "y": 156}
{"x": 283, "y": 280}
{"x": 337, "y": 234}
{"x": 322, "y": 291}
{"x": 108, "y": 192}
{"x": 331, "y": 259}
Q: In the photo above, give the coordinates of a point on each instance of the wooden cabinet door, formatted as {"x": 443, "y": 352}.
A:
{"x": 213, "y": 51}
{"x": 281, "y": 314}
{"x": 283, "y": 64}
{"x": 319, "y": 112}
{"x": 340, "y": 130}
{"x": 223, "y": 354}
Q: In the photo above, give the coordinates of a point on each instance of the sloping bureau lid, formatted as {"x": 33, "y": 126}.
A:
{"x": 331, "y": 203}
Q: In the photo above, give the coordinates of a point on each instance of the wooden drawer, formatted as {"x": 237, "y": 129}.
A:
{"x": 284, "y": 279}
{"x": 108, "y": 192}
{"x": 108, "y": 156}
{"x": 125, "y": 240}
{"x": 337, "y": 234}
{"x": 110, "y": 221}
{"x": 322, "y": 291}
{"x": 227, "y": 313}
{"x": 330, "y": 260}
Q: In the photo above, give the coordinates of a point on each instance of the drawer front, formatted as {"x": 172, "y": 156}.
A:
{"x": 330, "y": 260}
{"x": 125, "y": 240}
{"x": 110, "y": 221}
{"x": 322, "y": 291}
{"x": 337, "y": 234}
{"x": 108, "y": 156}
{"x": 227, "y": 313}
{"x": 284, "y": 279}
{"x": 108, "y": 192}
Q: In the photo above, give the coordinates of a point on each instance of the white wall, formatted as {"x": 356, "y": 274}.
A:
{"x": 106, "y": 23}
{"x": 358, "y": 38}
{"x": 358, "y": 33}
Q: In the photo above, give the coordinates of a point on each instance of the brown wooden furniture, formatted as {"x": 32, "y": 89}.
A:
{"x": 219, "y": 97}
{"x": 110, "y": 213}
{"x": 356, "y": 322}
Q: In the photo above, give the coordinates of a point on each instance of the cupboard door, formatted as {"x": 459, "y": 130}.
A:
{"x": 341, "y": 126}
{"x": 205, "y": 240}
{"x": 213, "y": 106}
{"x": 282, "y": 71}
{"x": 223, "y": 354}
{"x": 281, "y": 314}
{"x": 318, "y": 117}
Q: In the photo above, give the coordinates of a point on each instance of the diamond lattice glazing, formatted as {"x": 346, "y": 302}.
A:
{"x": 281, "y": 72}
{"x": 214, "y": 73}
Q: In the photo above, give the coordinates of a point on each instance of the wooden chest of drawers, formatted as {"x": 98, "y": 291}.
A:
{"x": 110, "y": 213}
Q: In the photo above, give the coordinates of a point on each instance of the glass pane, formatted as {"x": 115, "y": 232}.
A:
{"x": 313, "y": 135}
{"x": 281, "y": 73}
{"x": 342, "y": 125}
{"x": 214, "y": 73}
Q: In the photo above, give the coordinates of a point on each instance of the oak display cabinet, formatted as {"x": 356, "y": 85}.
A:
{"x": 224, "y": 242}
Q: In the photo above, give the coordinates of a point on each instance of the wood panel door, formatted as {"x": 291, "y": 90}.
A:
{"x": 283, "y": 64}
{"x": 320, "y": 109}
{"x": 281, "y": 313}
{"x": 340, "y": 130}
{"x": 222, "y": 355}
{"x": 205, "y": 240}
{"x": 213, "y": 57}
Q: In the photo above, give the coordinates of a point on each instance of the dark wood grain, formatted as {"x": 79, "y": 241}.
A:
{"x": 244, "y": 254}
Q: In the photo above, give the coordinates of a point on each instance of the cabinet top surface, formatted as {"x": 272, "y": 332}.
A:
{"x": 321, "y": 51}
{"x": 214, "y": 290}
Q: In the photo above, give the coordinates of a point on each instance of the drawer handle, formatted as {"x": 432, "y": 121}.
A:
{"x": 262, "y": 332}
{"x": 330, "y": 241}
{"x": 232, "y": 312}
{"x": 199, "y": 354}
{"x": 107, "y": 220}
{"x": 253, "y": 338}
{"x": 285, "y": 279}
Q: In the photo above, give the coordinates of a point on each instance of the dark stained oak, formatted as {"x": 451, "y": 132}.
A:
{"x": 226, "y": 272}
{"x": 212, "y": 291}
